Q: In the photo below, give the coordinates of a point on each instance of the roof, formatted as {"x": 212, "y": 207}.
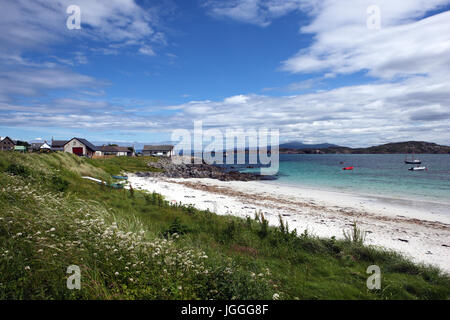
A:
{"x": 158, "y": 148}
{"x": 36, "y": 145}
{"x": 14, "y": 142}
{"x": 85, "y": 142}
{"x": 58, "y": 143}
{"x": 113, "y": 149}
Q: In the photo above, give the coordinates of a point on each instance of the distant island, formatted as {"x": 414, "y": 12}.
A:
{"x": 397, "y": 147}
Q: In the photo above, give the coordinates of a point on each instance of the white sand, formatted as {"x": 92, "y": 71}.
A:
{"x": 424, "y": 225}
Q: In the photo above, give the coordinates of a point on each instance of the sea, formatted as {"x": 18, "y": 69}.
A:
{"x": 384, "y": 175}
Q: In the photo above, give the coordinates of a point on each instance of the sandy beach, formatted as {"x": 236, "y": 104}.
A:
{"x": 419, "y": 230}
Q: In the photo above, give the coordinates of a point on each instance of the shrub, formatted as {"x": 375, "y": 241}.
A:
{"x": 59, "y": 184}
{"x": 230, "y": 231}
{"x": 355, "y": 235}
{"x": 18, "y": 169}
{"x": 176, "y": 228}
{"x": 264, "y": 231}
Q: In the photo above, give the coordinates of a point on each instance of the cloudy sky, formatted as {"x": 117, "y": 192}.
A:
{"x": 351, "y": 72}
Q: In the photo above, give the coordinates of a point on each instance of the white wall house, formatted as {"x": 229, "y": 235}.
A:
{"x": 163, "y": 150}
{"x": 80, "y": 147}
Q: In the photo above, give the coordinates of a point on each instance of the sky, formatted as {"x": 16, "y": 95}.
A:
{"x": 354, "y": 72}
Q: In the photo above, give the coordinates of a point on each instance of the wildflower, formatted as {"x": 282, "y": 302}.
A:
{"x": 180, "y": 288}
{"x": 19, "y": 234}
{"x": 27, "y": 268}
{"x": 52, "y": 229}
{"x": 276, "y": 296}
{"x": 116, "y": 273}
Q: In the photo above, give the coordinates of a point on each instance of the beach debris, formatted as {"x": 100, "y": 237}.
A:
{"x": 445, "y": 245}
{"x": 403, "y": 240}
{"x": 112, "y": 185}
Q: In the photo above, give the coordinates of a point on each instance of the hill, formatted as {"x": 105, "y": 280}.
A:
{"x": 389, "y": 148}
{"x": 300, "y": 145}
{"x": 134, "y": 245}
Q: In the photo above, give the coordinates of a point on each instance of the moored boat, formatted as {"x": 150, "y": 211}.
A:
{"x": 417, "y": 168}
{"x": 412, "y": 161}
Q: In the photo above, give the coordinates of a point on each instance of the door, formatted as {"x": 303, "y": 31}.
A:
{"x": 77, "y": 151}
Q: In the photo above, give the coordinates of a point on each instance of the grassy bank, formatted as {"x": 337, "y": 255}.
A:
{"x": 133, "y": 245}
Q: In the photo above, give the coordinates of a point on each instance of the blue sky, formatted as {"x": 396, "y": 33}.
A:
{"x": 314, "y": 70}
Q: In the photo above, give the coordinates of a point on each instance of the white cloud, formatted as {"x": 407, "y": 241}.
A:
{"x": 146, "y": 50}
{"x": 33, "y": 82}
{"x": 414, "y": 109}
{"x": 258, "y": 12}
{"x": 36, "y": 24}
{"x": 239, "y": 99}
{"x": 343, "y": 44}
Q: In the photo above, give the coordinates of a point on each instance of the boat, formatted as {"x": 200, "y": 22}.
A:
{"x": 412, "y": 161}
{"x": 120, "y": 177}
{"x": 417, "y": 168}
{"x": 112, "y": 185}
{"x": 348, "y": 168}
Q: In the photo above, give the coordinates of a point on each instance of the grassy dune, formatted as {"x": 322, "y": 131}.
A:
{"x": 133, "y": 245}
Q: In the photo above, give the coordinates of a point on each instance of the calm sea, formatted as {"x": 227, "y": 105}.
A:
{"x": 374, "y": 174}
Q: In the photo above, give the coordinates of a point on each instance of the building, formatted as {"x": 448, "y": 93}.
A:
{"x": 20, "y": 148}
{"x": 58, "y": 145}
{"x": 163, "y": 150}
{"x": 40, "y": 146}
{"x": 7, "y": 144}
{"x": 114, "y": 151}
{"x": 80, "y": 147}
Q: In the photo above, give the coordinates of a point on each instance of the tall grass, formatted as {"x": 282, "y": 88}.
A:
{"x": 142, "y": 247}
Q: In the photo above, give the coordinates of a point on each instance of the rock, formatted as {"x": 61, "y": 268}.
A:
{"x": 172, "y": 170}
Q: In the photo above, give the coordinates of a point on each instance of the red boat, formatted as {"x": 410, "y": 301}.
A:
{"x": 348, "y": 168}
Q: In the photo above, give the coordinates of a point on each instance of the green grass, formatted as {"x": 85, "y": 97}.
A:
{"x": 118, "y": 165}
{"x": 138, "y": 246}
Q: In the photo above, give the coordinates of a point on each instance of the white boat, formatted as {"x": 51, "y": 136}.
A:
{"x": 417, "y": 168}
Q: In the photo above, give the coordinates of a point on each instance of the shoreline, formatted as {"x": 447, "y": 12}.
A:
{"x": 399, "y": 199}
{"x": 418, "y": 233}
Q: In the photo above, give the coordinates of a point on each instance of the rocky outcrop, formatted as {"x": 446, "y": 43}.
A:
{"x": 172, "y": 170}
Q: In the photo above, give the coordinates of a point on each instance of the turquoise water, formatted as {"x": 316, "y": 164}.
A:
{"x": 374, "y": 174}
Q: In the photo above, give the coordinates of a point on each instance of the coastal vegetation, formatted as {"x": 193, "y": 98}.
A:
{"x": 131, "y": 244}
